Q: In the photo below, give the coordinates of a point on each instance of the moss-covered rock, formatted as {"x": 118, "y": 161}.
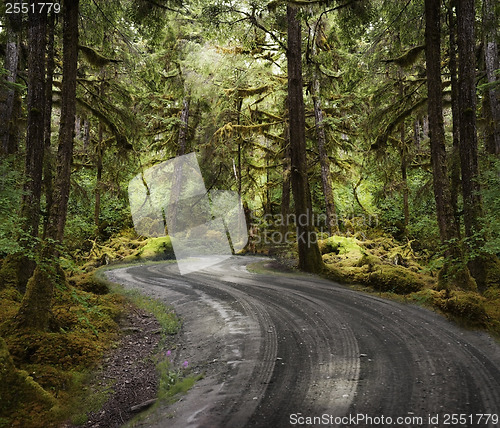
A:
{"x": 87, "y": 282}
{"x": 155, "y": 249}
{"x": 368, "y": 260}
{"x": 395, "y": 279}
{"x": 18, "y": 390}
{"x": 468, "y": 306}
{"x": 486, "y": 271}
{"x": 455, "y": 276}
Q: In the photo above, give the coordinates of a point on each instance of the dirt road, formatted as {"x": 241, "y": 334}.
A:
{"x": 284, "y": 350}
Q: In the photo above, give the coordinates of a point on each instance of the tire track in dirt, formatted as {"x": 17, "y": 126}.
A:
{"x": 272, "y": 345}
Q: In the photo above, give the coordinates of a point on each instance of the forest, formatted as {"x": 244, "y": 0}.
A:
{"x": 376, "y": 122}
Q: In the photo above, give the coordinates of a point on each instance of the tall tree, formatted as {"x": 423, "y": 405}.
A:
{"x": 37, "y": 29}
{"x": 58, "y": 215}
{"x": 8, "y": 144}
{"x": 467, "y": 116}
{"x": 35, "y": 307}
{"x": 490, "y": 36}
{"x": 326, "y": 179}
{"x": 309, "y": 255}
{"x": 446, "y": 221}
{"x": 455, "y": 154}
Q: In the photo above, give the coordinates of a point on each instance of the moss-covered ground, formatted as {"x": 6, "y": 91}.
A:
{"x": 42, "y": 372}
{"x": 392, "y": 270}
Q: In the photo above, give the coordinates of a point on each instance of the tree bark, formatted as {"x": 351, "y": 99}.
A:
{"x": 8, "y": 145}
{"x": 467, "y": 120}
{"x": 58, "y": 215}
{"x": 48, "y": 162}
{"x": 309, "y": 255}
{"x": 34, "y": 311}
{"x": 30, "y": 210}
{"x": 404, "y": 163}
{"x": 285, "y": 190}
{"x": 326, "y": 179}
{"x": 492, "y": 64}
{"x": 455, "y": 154}
{"x": 445, "y": 218}
{"x": 181, "y": 150}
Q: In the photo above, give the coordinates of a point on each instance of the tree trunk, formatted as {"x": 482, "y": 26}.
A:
{"x": 48, "y": 176}
{"x": 285, "y": 190}
{"x": 99, "y": 152}
{"x": 9, "y": 145}
{"x": 442, "y": 195}
{"x": 309, "y": 255}
{"x": 326, "y": 179}
{"x": 67, "y": 123}
{"x": 455, "y": 155}
{"x": 30, "y": 210}
{"x": 467, "y": 120}
{"x": 404, "y": 163}
{"x": 36, "y": 304}
{"x": 492, "y": 64}
{"x": 177, "y": 179}
{"x": 98, "y": 178}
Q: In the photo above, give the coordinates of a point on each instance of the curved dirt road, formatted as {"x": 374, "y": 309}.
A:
{"x": 278, "y": 350}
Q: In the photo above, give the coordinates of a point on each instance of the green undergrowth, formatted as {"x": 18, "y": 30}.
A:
{"x": 42, "y": 371}
{"x": 125, "y": 247}
{"x": 394, "y": 271}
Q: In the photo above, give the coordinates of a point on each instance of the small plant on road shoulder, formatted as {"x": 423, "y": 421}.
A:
{"x": 174, "y": 381}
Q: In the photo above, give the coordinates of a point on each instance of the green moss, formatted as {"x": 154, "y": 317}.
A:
{"x": 395, "y": 279}
{"x": 82, "y": 327}
{"x": 487, "y": 271}
{"x": 155, "y": 249}
{"x": 455, "y": 276}
{"x": 368, "y": 260}
{"x": 467, "y": 306}
{"x": 18, "y": 391}
{"x": 344, "y": 246}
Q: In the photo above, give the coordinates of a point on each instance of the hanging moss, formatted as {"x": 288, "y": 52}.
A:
{"x": 95, "y": 58}
{"x": 408, "y": 58}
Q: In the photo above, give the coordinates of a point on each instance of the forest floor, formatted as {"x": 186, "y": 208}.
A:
{"x": 130, "y": 367}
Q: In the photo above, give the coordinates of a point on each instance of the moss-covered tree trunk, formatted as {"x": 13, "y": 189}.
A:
{"x": 48, "y": 162}
{"x": 37, "y": 301}
{"x": 455, "y": 154}
{"x": 467, "y": 122}
{"x": 309, "y": 255}
{"x": 484, "y": 267}
{"x": 30, "y": 211}
{"x": 452, "y": 273}
{"x": 285, "y": 189}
